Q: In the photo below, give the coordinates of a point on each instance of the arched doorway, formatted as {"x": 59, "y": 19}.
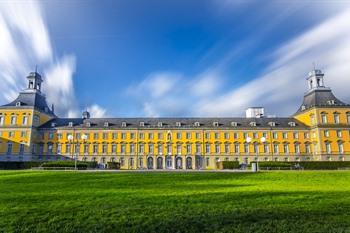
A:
{"x": 150, "y": 163}
{"x": 178, "y": 163}
{"x": 159, "y": 163}
{"x": 188, "y": 163}
{"x": 168, "y": 162}
{"x": 199, "y": 162}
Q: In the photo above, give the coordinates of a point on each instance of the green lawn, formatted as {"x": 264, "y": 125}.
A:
{"x": 316, "y": 201}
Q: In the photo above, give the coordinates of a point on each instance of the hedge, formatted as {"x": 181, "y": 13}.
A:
{"x": 11, "y": 165}
{"x": 308, "y": 165}
{"x": 228, "y": 165}
{"x": 113, "y": 165}
{"x": 70, "y": 163}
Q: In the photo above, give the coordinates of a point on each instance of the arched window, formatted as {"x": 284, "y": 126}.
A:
{"x": 336, "y": 118}
{"x": 341, "y": 147}
{"x": 324, "y": 118}
{"x": 328, "y": 147}
{"x": 348, "y": 117}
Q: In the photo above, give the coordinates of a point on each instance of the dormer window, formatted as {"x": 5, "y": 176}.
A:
{"x": 331, "y": 102}
{"x": 160, "y": 124}
{"x": 88, "y": 124}
{"x": 18, "y": 104}
{"x": 53, "y": 124}
{"x": 178, "y": 124}
{"x": 216, "y": 124}
{"x": 272, "y": 124}
{"x": 252, "y": 124}
{"x": 70, "y": 124}
{"x": 197, "y": 124}
{"x": 106, "y": 124}
{"x": 142, "y": 124}
{"x": 123, "y": 124}
{"x": 234, "y": 124}
{"x": 291, "y": 124}
{"x": 303, "y": 107}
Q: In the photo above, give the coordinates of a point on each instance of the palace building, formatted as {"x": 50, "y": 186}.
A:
{"x": 318, "y": 131}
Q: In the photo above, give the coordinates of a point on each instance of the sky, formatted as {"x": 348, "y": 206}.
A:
{"x": 174, "y": 58}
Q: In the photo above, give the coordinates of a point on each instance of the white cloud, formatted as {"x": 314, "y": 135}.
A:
{"x": 24, "y": 43}
{"x": 96, "y": 111}
{"x": 281, "y": 86}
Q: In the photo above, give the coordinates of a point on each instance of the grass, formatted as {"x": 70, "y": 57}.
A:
{"x": 308, "y": 201}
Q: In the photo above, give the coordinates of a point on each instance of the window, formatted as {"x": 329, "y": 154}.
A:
{"x": 11, "y": 134}
{"x": 23, "y": 134}
{"x": 178, "y": 135}
{"x": 291, "y": 124}
{"x": 272, "y": 124}
{"x": 198, "y": 136}
{"x": 95, "y": 136}
{"x": 207, "y": 135}
{"x": 70, "y": 124}
{"x": 234, "y": 124}
{"x": 122, "y": 161}
{"x": 123, "y": 124}
{"x": 256, "y": 148}
{"x": 188, "y": 148}
{"x": 150, "y": 136}
{"x": 306, "y": 135}
{"x": 324, "y": 118}
{"x": 348, "y": 117}
{"x": 86, "y": 148}
{"x": 286, "y": 148}
{"x": 88, "y": 124}
{"x": 326, "y": 133}
{"x": 160, "y": 124}
{"x": 197, "y": 124}
{"x": 275, "y": 135}
{"x": 215, "y": 124}
{"x": 150, "y": 148}
{"x": 207, "y": 148}
{"x": 21, "y": 149}
{"x": 1, "y": 120}
{"x": 336, "y": 118}
{"x": 253, "y": 124}
{"x": 160, "y": 149}
{"x": 9, "y": 148}
{"x": 49, "y": 148}
{"x": 95, "y": 149}
{"x": 308, "y": 148}
{"x": 132, "y": 135}
{"x": 142, "y": 136}
{"x": 188, "y": 135}
{"x": 198, "y": 148}
{"x": 104, "y": 148}
{"x": 297, "y": 148}
{"x": 235, "y": 135}
{"x": 178, "y": 124}
{"x": 340, "y": 148}
{"x": 132, "y": 148}
{"x": 169, "y": 148}
{"x": 50, "y": 135}
{"x": 13, "y": 120}
{"x": 106, "y": 124}
{"x": 217, "y": 148}
{"x": 217, "y": 135}
{"x": 236, "y": 148}
{"x": 295, "y": 135}
{"x": 266, "y": 148}
{"x": 339, "y": 133}
{"x": 123, "y": 136}
{"x": 246, "y": 148}
{"x": 142, "y": 124}
{"x": 114, "y": 136}
{"x": 24, "y": 120}
{"x": 328, "y": 147}
{"x": 245, "y": 135}
{"x": 178, "y": 149}
{"x": 141, "y": 149}
{"x": 105, "y": 136}
{"x": 285, "y": 135}
{"x": 255, "y": 135}
{"x": 59, "y": 148}
{"x": 227, "y": 148}
{"x": 312, "y": 119}
{"x": 122, "y": 148}
{"x": 275, "y": 148}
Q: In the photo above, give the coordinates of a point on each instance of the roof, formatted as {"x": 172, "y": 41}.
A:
{"x": 31, "y": 99}
{"x": 321, "y": 98}
{"x": 171, "y": 123}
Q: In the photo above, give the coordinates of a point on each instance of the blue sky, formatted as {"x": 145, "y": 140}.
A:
{"x": 174, "y": 58}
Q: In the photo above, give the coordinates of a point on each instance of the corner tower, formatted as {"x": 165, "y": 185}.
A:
{"x": 328, "y": 118}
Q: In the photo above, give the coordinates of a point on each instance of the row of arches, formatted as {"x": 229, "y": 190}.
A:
{"x": 169, "y": 163}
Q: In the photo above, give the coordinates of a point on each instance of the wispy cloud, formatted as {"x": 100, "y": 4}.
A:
{"x": 280, "y": 86}
{"x": 24, "y": 43}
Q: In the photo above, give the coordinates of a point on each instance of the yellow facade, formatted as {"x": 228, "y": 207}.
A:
{"x": 320, "y": 132}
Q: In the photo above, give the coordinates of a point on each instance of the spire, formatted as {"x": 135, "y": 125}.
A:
{"x": 34, "y": 81}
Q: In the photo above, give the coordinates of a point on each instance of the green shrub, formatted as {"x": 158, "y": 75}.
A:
{"x": 19, "y": 165}
{"x": 68, "y": 163}
{"x": 113, "y": 165}
{"x": 327, "y": 165}
{"x": 229, "y": 165}
{"x": 276, "y": 164}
